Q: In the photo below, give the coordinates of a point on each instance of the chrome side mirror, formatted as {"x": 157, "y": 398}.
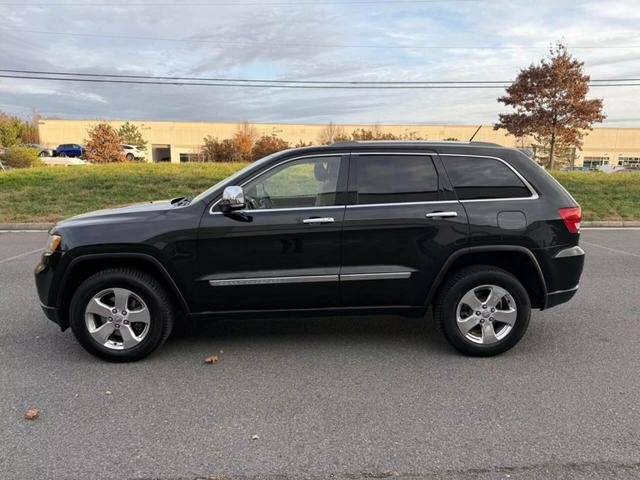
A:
{"x": 232, "y": 199}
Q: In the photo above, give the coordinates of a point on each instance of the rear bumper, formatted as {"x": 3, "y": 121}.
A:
{"x": 560, "y": 296}
{"x": 563, "y": 271}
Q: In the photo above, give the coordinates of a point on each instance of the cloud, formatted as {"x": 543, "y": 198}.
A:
{"x": 304, "y": 42}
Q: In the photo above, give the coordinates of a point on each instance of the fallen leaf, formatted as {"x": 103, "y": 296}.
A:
{"x": 32, "y": 414}
{"x": 211, "y": 359}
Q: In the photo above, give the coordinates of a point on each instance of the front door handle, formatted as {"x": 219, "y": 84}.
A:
{"x": 442, "y": 214}
{"x": 318, "y": 220}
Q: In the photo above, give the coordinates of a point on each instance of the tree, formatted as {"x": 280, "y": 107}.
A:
{"x": 11, "y": 129}
{"x": 214, "y": 150}
{"x": 208, "y": 149}
{"x": 331, "y": 133}
{"x": 131, "y": 135}
{"x": 244, "y": 139}
{"x": 104, "y": 145}
{"x": 21, "y": 157}
{"x": 268, "y": 144}
{"x": 30, "y": 133}
{"x": 14, "y": 131}
{"x": 373, "y": 133}
{"x": 550, "y": 103}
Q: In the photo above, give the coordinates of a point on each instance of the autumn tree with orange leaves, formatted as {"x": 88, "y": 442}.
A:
{"x": 104, "y": 145}
{"x": 550, "y": 103}
{"x": 244, "y": 139}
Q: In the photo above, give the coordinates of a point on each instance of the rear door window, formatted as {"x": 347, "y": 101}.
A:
{"x": 396, "y": 178}
{"x": 479, "y": 178}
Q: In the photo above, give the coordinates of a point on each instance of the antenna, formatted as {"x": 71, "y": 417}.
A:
{"x": 474, "y": 135}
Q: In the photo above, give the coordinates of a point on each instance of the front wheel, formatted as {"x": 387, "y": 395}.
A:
{"x": 483, "y": 310}
{"x": 121, "y": 314}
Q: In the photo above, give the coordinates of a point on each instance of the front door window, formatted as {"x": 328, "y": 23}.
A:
{"x": 307, "y": 182}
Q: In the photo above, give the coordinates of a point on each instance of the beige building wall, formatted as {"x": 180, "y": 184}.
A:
{"x": 186, "y": 137}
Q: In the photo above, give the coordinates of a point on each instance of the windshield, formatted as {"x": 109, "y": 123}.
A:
{"x": 229, "y": 180}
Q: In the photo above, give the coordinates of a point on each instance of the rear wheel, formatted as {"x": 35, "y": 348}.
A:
{"x": 62, "y": 155}
{"x": 483, "y": 310}
{"x": 121, "y": 314}
{"x": 130, "y": 157}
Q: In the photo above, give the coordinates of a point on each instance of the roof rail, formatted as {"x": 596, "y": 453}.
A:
{"x": 426, "y": 142}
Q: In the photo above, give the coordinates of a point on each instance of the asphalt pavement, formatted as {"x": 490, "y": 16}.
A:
{"x": 330, "y": 398}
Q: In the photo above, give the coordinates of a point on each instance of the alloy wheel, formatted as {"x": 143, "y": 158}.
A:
{"x": 117, "y": 318}
{"x": 486, "y": 314}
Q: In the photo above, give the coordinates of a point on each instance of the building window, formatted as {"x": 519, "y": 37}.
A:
{"x": 633, "y": 162}
{"x": 188, "y": 157}
{"x": 594, "y": 162}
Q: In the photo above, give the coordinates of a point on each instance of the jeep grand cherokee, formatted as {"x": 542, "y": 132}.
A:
{"x": 477, "y": 231}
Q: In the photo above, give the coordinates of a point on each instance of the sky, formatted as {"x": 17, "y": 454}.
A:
{"x": 359, "y": 40}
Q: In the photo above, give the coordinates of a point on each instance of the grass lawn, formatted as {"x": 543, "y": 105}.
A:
{"x": 48, "y": 194}
{"x": 604, "y": 196}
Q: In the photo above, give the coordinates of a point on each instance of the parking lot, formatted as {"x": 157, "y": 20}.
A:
{"x": 357, "y": 397}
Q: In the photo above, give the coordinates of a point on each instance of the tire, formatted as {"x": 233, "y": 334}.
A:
{"x": 62, "y": 155}
{"x": 130, "y": 157}
{"x": 43, "y": 154}
{"x": 149, "y": 320}
{"x": 490, "y": 335}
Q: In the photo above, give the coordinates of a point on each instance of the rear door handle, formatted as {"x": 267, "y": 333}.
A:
{"x": 442, "y": 214}
{"x": 318, "y": 220}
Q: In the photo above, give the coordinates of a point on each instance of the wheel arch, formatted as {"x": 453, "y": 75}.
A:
{"x": 84, "y": 266}
{"x": 518, "y": 260}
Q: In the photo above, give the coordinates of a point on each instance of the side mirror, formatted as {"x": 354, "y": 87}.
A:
{"x": 232, "y": 199}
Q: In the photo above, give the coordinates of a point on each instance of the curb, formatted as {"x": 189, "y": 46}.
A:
{"x": 591, "y": 224}
{"x": 611, "y": 224}
{"x": 26, "y": 226}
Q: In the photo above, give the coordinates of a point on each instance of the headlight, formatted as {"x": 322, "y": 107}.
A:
{"x": 54, "y": 243}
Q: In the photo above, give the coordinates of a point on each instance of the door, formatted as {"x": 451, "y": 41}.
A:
{"x": 283, "y": 250}
{"x": 399, "y": 229}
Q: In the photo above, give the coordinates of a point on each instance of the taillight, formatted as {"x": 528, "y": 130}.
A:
{"x": 572, "y": 217}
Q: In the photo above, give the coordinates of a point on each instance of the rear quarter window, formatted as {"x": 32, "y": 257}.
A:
{"x": 478, "y": 178}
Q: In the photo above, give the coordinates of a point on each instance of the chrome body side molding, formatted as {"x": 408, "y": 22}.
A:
{"x": 230, "y": 282}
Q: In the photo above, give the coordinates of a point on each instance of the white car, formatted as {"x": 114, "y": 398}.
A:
{"x": 133, "y": 153}
{"x": 63, "y": 161}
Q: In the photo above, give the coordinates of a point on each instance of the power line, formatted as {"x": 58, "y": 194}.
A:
{"x": 312, "y": 45}
{"x": 229, "y": 4}
{"x": 290, "y": 86}
{"x": 499, "y": 83}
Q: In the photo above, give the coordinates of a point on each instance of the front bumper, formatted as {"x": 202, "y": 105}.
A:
{"x": 44, "y": 276}
{"x": 53, "y": 314}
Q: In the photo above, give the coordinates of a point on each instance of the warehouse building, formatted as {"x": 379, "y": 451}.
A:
{"x": 180, "y": 141}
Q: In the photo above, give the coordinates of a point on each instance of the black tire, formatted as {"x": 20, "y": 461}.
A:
{"x": 62, "y": 155}
{"x": 466, "y": 279}
{"x": 141, "y": 284}
{"x": 130, "y": 157}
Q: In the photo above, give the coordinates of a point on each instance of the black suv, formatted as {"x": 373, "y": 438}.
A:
{"x": 478, "y": 231}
